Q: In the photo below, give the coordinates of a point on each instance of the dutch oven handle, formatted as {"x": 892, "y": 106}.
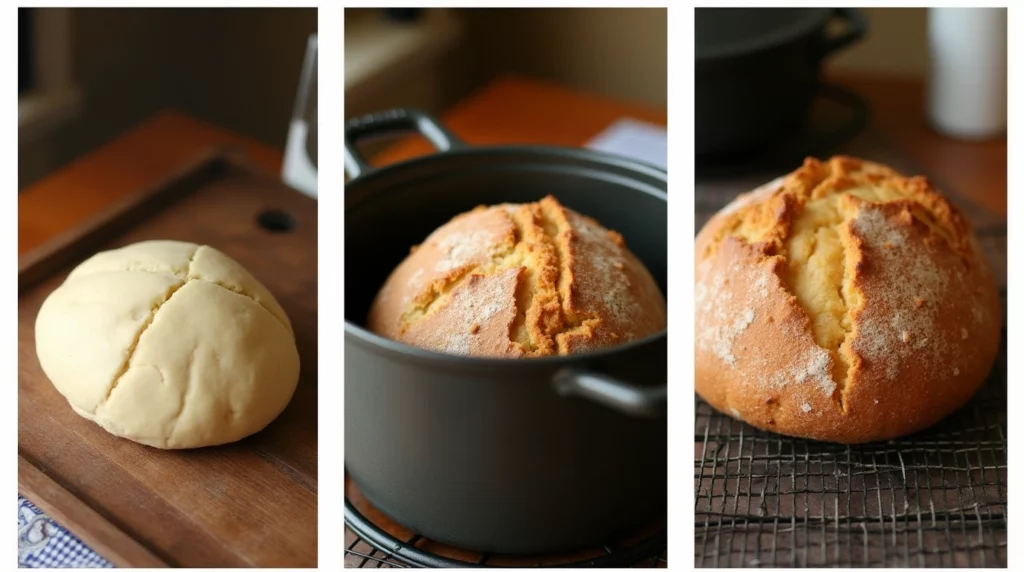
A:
{"x": 856, "y": 26}
{"x": 391, "y": 122}
{"x": 635, "y": 400}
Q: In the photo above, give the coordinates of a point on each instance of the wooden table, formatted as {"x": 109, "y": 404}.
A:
{"x": 975, "y": 169}
{"x": 136, "y": 160}
{"x": 508, "y": 110}
{"x": 518, "y": 110}
{"x": 512, "y": 110}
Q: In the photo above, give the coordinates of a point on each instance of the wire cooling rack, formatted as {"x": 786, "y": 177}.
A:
{"x": 934, "y": 499}
{"x": 372, "y": 540}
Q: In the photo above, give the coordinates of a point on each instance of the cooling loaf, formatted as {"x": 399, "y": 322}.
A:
{"x": 519, "y": 280}
{"x": 169, "y": 344}
{"x": 843, "y": 302}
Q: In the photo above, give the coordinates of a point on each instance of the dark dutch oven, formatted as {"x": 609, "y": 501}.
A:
{"x": 758, "y": 69}
{"x": 506, "y": 456}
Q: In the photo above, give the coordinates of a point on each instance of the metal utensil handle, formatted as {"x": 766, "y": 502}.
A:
{"x": 635, "y": 400}
{"x": 856, "y": 28}
{"x": 391, "y": 122}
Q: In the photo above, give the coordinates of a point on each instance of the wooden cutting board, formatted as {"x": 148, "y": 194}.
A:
{"x": 250, "y": 503}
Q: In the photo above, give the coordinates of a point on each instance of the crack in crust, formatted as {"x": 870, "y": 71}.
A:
{"x": 543, "y": 308}
{"x": 819, "y": 277}
{"x": 763, "y": 217}
{"x": 519, "y": 331}
{"x": 559, "y": 232}
{"x": 539, "y": 247}
{"x": 535, "y": 248}
{"x": 805, "y": 220}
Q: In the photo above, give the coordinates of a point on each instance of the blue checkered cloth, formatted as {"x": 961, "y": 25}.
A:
{"x": 42, "y": 543}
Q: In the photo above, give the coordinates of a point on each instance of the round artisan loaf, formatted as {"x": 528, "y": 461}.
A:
{"x": 519, "y": 280}
{"x": 843, "y": 302}
{"x": 169, "y": 344}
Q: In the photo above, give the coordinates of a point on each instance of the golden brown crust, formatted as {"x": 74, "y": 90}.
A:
{"x": 517, "y": 281}
{"x": 842, "y": 303}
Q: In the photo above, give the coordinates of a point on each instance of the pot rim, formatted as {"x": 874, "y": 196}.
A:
{"x": 406, "y": 351}
{"x": 813, "y": 19}
{"x": 646, "y": 169}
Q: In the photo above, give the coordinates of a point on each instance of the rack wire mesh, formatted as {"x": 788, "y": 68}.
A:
{"x": 934, "y": 499}
{"x": 374, "y": 541}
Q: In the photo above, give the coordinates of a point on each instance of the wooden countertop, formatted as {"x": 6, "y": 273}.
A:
{"x": 135, "y": 160}
{"x": 976, "y": 169}
{"x": 519, "y": 110}
{"x": 507, "y": 110}
{"x": 512, "y": 110}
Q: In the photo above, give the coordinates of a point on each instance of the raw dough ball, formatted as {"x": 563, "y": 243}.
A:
{"x": 170, "y": 344}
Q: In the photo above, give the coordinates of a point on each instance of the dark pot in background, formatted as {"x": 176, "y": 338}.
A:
{"x": 758, "y": 69}
{"x": 500, "y": 456}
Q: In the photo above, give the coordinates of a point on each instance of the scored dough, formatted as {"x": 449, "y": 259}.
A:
{"x": 170, "y": 344}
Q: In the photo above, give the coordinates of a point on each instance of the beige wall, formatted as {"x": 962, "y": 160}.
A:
{"x": 431, "y": 72}
{"x": 897, "y": 44}
{"x": 242, "y": 66}
{"x": 619, "y": 52}
{"x": 624, "y": 52}
{"x": 237, "y": 68}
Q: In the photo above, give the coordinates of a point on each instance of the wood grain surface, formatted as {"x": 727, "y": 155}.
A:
{"x": 140, "y": 158}
{"x": 251, "y": 503}
{"x": 513, "y": 109}
{"x": 516, "y": 110}
{"x": 977, "y": 169}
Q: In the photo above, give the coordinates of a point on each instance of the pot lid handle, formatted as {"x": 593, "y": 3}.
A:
{"x": 636, "y": 400}
{"x": 391, "y": 122}
{"x": 856, "y": 27}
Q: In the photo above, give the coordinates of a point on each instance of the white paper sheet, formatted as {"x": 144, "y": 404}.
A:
{"x": 634, "y": 139}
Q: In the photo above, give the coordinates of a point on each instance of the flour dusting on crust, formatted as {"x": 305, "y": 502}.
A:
{"x": 720, "y": 338}
{"x": 913, "y": 291}
{"x": 609, "y": 282}
{"x": 462, "y": 248}
{"x": 816, "y": 368}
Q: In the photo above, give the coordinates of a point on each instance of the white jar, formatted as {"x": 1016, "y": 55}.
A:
{"x": 967, "y": 92}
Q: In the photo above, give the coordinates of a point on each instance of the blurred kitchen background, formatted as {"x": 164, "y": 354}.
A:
{"x": 895, "y": 46}
{"x": 517, "y": 75}
{"x": 88, "y": 75}
{"x": 432, "y": 57}
{"x": 921, "y": 89}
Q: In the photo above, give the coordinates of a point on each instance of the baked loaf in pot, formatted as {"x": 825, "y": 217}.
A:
{"x": 843, "y": 302}
{"x": 519, "y": 280}
{"x": 170, "y": 344}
